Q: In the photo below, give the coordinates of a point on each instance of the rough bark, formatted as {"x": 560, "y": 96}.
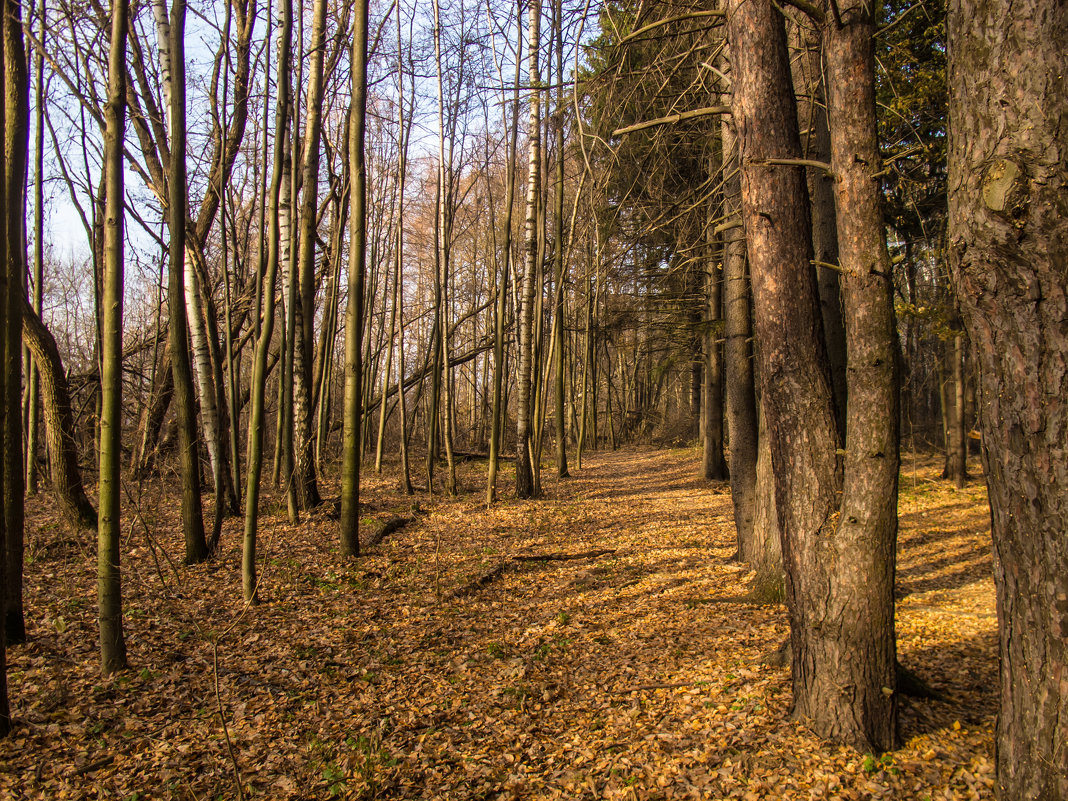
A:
{"x": 816, "y": 145}
{"x": 834, "y": 548}
{"x": 5, "y": 379}
{"x": 866, "y": 532}
{"x": 713, "y": 464}
{"x": 742, "y": 427}
{"x": 1008, "y": 245}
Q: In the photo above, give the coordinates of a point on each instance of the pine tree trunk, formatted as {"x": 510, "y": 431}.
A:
{"x": 742, "y": 426}
{"x": 839, "y": 567}
{"x": 1008, "y": 245}
{"x": 5, "y": 380}
{"x": 713, "y": 465}
{"x": 812, "y": 110}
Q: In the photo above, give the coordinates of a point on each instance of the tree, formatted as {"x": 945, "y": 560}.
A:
{"x": 305, "y": 483}
{"x": 353, "y": 402}
{"x": 172, "y": 56}
{"x": 5, "y": 380}
{"x": 524, "y": 467}
{"x": 109, "y": 533}
{"x": 1008, "y": 246}
{"x": 66, "y": 477}
{"x": 838, "y": 546}
{"x": 16, "y": 145}
{"x": 263, "y": 343}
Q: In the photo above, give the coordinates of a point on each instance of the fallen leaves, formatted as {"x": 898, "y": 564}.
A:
{"x": 592, "y": 677}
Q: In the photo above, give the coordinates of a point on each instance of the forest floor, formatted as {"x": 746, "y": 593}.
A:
{"x": 628, "y": 672}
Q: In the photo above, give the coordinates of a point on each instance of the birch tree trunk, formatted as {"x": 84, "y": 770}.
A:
{"x": 303, "y": 409}
{"x": 258, "y": 388}
{"x": 524, "y": 469}
{"x": 196, "y": 547}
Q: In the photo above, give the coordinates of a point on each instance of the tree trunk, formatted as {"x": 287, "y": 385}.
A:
{"x": 16, "y": 145}
{"x": 713, "y": 465}
{"x": 196, "y": 547}
{"x": 1008, "y": 244}
{"x": 812, "y": 110}
{"x": 442, "y": 238}
{"x": 66, "y": 476}
{"x": 5, "y": 380}
{"x": 258, "y": 388}
{"x": 558, "y": 217}
{"x": 524, "y": 469}
{"x": 109, "y": 533}
{"x": 839, "y": 567}
{"x": 503, "y": 264}
{"x": 353, "y": 405}
{"x": 866, "y": 533}
{"x": 742, "y": 427}
{"x": 303, "y": 410}
{"x": 33, "y": 379}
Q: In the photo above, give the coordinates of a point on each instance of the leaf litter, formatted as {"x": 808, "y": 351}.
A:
{"x": 599, "y": 672}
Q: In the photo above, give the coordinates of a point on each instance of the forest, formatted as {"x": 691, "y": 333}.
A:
{"x": 635, "y": 399}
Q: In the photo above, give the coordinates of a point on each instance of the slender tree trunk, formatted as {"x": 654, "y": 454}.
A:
{"x": 16, "y": 146}
{"x": 258, "y": 388}
{"x": 353, "y": 408}
{"x": 742, "y": 426}
{"x": 714, "y": 466}
{"x": 196, "y": 547}
{"x": 1008, "y": 246}
{"x": 303, "y": 411}
{"x": 524, "y": 469}
{"x": 558, "y": 217}
{"x": 442, "y": 237}
{"x": 109, "y": 533}
{"x": 33, "y": 378}
{"x": 505, "y": 249}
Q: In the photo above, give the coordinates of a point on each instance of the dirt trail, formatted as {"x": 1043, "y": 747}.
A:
{"x": 596, "y": 677}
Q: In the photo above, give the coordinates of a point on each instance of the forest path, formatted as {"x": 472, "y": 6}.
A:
{"x": 400, "y": 675}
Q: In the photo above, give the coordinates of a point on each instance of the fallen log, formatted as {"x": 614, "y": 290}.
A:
{"x": 390, "y": 526}
{"x": 562, "y": 557}
{"x": 499, "y": 569}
